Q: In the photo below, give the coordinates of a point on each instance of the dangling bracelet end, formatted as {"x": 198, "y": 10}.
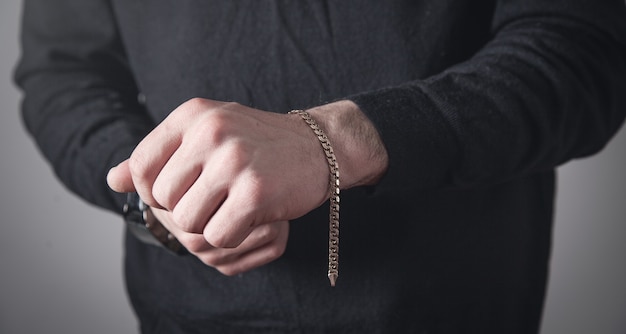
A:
{"x": 332, "y": 277}
{"x": 333, "y": 228}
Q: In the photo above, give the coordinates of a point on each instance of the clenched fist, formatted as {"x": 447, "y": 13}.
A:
{"x": 219, "y": 171}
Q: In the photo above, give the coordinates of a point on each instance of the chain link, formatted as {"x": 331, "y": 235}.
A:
{"x": 333, "y": 228}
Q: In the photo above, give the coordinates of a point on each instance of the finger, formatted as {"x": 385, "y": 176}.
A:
{"x": 258, "y": 256}
{"x": 150, "y": 156}
{"x": 200, "y": 202}
{"x": 232, "y": 222}
{"x": 119, "y": 178}
{"x": 260, "y": 237}
{"x": 194, "y": 243}
{"x": 245, "y": 207}
{"x": 176, "y": 177}
{"x": 153, "y": 153}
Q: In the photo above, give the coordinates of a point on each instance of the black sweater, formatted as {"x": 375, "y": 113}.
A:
{"x": 476, "y": 102}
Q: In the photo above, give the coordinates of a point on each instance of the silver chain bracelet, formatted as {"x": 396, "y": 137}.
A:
{"x": 333, "y": 228}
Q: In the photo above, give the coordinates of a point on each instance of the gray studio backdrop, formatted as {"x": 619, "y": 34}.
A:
{"x": 61, "y": 259}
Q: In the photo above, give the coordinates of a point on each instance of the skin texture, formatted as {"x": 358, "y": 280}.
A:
{"x": 225, "y": 179}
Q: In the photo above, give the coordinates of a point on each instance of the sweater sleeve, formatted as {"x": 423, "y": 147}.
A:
{"x": 547, "y": 88}
{"x": 80, "y": 101}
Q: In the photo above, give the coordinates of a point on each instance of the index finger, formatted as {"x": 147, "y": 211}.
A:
{"x": 149, "y": 157}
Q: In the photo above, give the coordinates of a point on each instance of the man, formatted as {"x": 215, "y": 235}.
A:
{"x": 446, "y": 120}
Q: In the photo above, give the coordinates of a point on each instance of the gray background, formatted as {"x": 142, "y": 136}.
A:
{"x": 61, "y": 259}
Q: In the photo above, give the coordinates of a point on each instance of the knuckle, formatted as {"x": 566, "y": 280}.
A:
{"x": 163, "y": 195}
{"x": 231, "y": 105}
{"x": 197, "y": 103}
{"x": 184, "y": 221}
{"x": 193, "y": 247}
{"x": 260, "y": 208}
{"x": 211, "y": 259}
{"x": 191, "y": 242}
{"x": 139, "y": 165}
{"x": 210, "y": 129}
{"x": 276, "y": 251}
{"x": 237, "y": 153}
{"x": 266, "y": 232}
{"x": 216, "y": 241}
{"x": 215, "y": 129}
{"x": 191, "y": 108}
{"x": 220, "y": 240}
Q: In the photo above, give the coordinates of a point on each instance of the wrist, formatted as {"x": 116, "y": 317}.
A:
{"x": 359, "y": 150}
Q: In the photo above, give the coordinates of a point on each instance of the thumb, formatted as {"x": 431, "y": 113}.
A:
{"x": 119, "y": 178}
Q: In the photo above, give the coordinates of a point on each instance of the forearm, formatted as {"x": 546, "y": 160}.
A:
{"x": 361, "y": 154}
{"x": 545, "y": 90}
